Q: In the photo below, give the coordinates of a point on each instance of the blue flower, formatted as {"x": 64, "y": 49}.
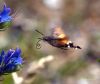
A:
{"x": 5, "y": 14}
{"x": 10, "y": 61}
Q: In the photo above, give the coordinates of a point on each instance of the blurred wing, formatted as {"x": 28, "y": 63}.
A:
{"x": 59, "y": 33}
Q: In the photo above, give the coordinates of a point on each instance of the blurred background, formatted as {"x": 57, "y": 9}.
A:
{"x": 80, "y": 19}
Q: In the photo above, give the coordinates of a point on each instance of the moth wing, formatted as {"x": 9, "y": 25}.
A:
{"x": 60, "y": 35}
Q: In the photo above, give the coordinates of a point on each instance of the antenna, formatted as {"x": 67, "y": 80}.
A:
{"x": 39, "y": 32}
{"x": 38, "y": 45}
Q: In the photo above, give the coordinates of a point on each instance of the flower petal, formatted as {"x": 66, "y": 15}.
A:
{"x": 5, "y": 11}
{"x": 4, "y": 15}
{"x": 17, "y": 52}
{"x": 1, "y": 56}
{"x": 10, "y": 61}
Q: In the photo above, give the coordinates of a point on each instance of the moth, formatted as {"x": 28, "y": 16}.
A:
{"x": 58, "y": 39}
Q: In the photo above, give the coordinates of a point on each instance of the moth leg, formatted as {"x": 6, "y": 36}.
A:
{"x": 38, "y": 45}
